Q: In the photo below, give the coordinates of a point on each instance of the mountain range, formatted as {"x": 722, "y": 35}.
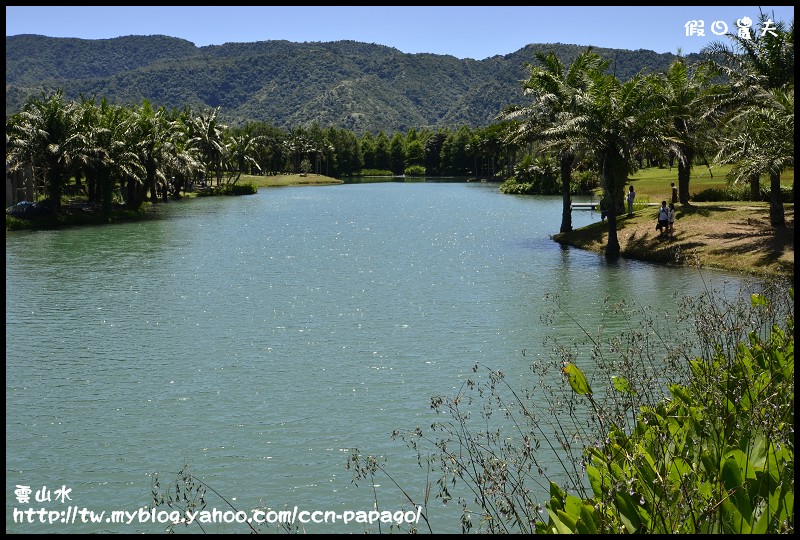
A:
{"x": 346, "y": 84}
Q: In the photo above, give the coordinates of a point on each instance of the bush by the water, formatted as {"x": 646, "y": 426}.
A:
{"x": 415, "y": 170}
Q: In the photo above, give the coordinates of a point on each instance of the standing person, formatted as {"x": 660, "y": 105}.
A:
{"x": 631, "y": 197}
{"x": 674, "y": 193}
{"x": 671, "y": 219}
{"x": 663, "y": 218}
{"x": 602, "y": 205}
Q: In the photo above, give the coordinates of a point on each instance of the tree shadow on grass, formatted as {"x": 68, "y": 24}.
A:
{"x": 661, "y": 249}
{"x": 770, "y": 244}
{"x": 703, "y": 211}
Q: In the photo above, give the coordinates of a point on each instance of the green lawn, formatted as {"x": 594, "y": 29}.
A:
{"x": 288, "y": 180}
{"x": 654, "y": 183}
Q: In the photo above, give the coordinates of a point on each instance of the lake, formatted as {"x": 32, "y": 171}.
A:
{"x": 260, "y": 338}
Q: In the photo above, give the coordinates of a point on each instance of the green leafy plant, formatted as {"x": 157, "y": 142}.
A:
{"x": 717, "y": 457}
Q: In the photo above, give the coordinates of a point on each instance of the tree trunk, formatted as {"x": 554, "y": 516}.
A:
{"x": 91, "y": 186}
{"x": 776, "y": 214}
{"x": 567, "y": 158}
{"x": 54, "y": 187}
{"x": 141, "y": 195}
{"x": 684, "y": 173}
{"x": 78, "y": 184}
{"x": 614, "y": 174}
{"x": 105, "y": 189}
{"x": 131, "y": 195}
{"x": 755, "y": 187}
{"x": 612, "y": 248}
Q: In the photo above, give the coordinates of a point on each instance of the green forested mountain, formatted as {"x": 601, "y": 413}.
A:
{"x": 357, "y": 86}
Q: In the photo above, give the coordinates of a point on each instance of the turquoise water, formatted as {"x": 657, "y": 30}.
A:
{"x": 260, "y": 338}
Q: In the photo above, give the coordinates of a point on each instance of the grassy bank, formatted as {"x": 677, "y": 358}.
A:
{"x": 283, "y": 180}
{"x": 653, "y": 184}
{"x": 77, "y": 216}
{"x": 730, "y": 236}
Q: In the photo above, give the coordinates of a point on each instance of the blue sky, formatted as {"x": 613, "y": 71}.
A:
{"x": 476, "y": 32}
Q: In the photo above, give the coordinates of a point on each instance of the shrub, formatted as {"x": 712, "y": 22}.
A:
{"x": 415, "y": 170}
{"x": 716, "y": 457}
{"x": 539, "y": 173}
{"x": 711, "y": 195}
{"x": 544, "y": 179}
{"x": 584, "y": 182}
{"x": 512, "y": 187}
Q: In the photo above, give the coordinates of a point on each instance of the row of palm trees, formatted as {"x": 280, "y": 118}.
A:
{"x": 739, "y": 101}
{"x": 135, "y": 150}
{"x": 132, "y": 151}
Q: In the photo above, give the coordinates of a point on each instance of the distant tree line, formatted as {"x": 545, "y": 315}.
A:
{"x": 136, "y": 153}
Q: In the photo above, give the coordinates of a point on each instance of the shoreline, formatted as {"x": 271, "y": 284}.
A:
{"x": 82, "y": 214}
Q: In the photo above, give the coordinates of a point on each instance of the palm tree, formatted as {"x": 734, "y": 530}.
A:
{"x": 297, "y": 146}
{"x": 763, "y": 143}
{"x": 149, "y": 133}
{"x": 761, "y": 91}
{"x": 764, "y": 59}
{"x": 207, "y": 135}
{"x": 106, "y": 154}
{"x": 45, "y": 135}
{"x": 183, "y": 160}
{"x": 612, "y": 119}
{"x": 684, "y": 89}
{"x": 241, "y": 152}
{"x": 317, "y": 145}
{"x": 555, "y": 90}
